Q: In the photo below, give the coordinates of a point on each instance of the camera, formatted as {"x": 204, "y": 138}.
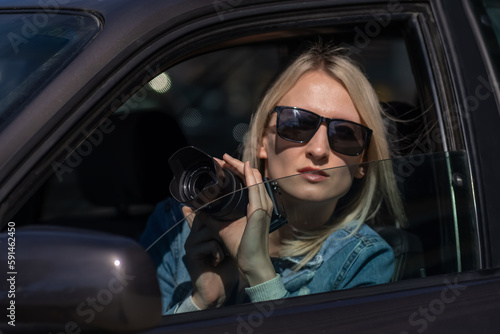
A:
{"x": 201, "y": 183}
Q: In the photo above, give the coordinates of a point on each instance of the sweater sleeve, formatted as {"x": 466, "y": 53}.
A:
{"x": 186, "y": 306}
{"x": 270, "y": 290}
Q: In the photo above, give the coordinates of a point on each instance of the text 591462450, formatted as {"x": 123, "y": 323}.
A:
{"x": 11, "y": 272}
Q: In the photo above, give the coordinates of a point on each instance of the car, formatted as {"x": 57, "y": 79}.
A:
{"x": 97, "y": 95}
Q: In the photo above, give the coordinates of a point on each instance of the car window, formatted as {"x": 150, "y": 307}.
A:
{"x": 205, "y": 102}
{"x": 34, "y": 46}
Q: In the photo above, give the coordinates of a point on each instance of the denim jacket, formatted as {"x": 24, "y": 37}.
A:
{"x": 346, "y": 260}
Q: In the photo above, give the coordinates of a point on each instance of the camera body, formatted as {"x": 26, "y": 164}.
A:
{"x": 201, "y": 183}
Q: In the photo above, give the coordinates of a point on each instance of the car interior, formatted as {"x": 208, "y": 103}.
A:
{"x": 207, "y": 100}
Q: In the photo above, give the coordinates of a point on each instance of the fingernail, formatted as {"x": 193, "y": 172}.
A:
{"x": 216, "y": 261}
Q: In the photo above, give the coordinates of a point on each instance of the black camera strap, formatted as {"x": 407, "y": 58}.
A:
{"x": 278, "y": 217}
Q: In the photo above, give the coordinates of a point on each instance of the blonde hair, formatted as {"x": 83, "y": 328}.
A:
{"x": 378, "y": 183}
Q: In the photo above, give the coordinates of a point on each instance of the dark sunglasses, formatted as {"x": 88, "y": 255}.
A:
{"x": 299, "y": 126}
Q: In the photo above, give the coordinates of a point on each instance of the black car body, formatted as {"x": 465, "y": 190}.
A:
{"x": 73, "y": 76}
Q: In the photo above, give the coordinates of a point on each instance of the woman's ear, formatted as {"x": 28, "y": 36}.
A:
{"x": 262, "y": 149}
{"x": 360, "y": 171}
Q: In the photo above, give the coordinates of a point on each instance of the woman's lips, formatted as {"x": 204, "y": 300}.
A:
{"x": 313, "y": 174}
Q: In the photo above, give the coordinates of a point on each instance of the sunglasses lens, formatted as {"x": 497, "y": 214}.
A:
{"x": 296, "y": 125}
{"x": 299, "y": 126}
{"x": 346, "y": 137}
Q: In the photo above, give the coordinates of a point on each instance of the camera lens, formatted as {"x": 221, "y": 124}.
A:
{"x": 195, "y": 181}
{"x": 200, "y": 182}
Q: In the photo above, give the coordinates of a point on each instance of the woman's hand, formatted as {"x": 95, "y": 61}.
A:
{"x": 217, "y": 252}
{"x": 247, "y": 239}
{"x": 213, "y": 274}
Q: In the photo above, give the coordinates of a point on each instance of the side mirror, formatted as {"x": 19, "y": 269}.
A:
{"x": 72, "y": 280}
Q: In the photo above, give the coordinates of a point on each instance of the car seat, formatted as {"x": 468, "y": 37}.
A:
{"x": 129, "y": 171}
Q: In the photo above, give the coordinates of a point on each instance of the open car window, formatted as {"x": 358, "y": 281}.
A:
{"x": 436, "y": 234}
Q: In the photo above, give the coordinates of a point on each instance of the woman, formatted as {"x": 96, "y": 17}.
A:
{"x": 320, "y": 113}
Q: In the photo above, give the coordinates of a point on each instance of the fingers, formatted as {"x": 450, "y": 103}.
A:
{"x": 255, "y": 194}
{"x": 230, "y": 163}
{"x": 201, "y": 231}
{"x": 258, "y": 197}
{"x": 253, "y": 252}
{"x": 201, "y": 245}
{"x": 200, "y": 222}
{"x": 234, "y": 165}
{"x": 210, "y": 249}
{"x": 189, "y": 215}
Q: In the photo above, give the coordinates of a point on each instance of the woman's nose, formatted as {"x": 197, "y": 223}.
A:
{"x": 318, "y": 147}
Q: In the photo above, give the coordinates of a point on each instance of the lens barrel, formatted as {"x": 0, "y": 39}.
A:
{"x": 200, "y": 182}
